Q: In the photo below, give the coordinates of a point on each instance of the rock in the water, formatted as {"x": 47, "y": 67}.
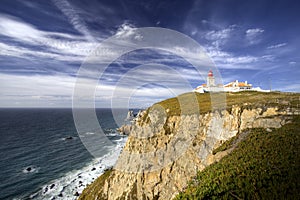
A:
{"x": 69, "y": 138}
{"x": 125, "y": 129}
{"x": 46, "y": 190}
{"x": 52, "y": 186}
{"x": 130, "y": 115}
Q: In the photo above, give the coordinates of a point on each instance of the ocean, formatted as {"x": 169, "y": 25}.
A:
{"x": 42, "y": 156}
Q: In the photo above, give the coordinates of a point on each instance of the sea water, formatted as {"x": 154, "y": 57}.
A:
{"x": 42, "y": 156}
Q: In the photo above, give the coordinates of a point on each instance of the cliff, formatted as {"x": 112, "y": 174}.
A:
{"x": 174, "y": 139}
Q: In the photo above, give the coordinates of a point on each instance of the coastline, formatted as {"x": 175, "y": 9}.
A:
{"x": 71, "y": 185}
{"x": 243, "y": 111}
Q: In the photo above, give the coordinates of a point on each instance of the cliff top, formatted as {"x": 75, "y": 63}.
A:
{"x": 196, "y": 103}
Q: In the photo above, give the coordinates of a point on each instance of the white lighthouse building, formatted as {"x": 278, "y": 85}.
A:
{"x": 210, "y": 85}
{"x": 234, "y": 86}
{"x": 210, "y": 79}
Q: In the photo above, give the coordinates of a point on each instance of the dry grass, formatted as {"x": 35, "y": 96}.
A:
{"x": 195, "y": 103}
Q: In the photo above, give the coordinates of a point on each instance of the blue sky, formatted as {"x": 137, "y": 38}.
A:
{"x": 44, "y": 43}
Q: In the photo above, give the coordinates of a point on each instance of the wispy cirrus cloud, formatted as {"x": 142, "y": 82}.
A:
{"x": 220, "y": 37}
{"x": 253, "y": 35}
{"x": 17, "y": 29}
{"x": 74, "y": 18}
{"x": 36, "y": 91}
{"x": 56, "y": 90}
{"x": 275, "y": 46}
{"x": 226, "y": 60}
{"x": 22, "y": 39}
{"x": 254, "y": 32}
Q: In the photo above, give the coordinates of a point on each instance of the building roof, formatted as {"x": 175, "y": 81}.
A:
{"x": 239, "y": 84}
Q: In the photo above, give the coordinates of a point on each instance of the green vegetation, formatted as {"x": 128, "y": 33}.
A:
{"x": 189, "y": 103}
{"x": 265, "y": 165}
{"x": 226, "y": 145}
{"x": 95, "y": 188}
{"x": 193, "y": 102}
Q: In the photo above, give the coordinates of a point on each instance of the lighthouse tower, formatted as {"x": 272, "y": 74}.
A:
{"x": 210, "y": 79}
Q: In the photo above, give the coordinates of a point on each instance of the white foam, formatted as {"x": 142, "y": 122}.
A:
{"x": 113, "y": 134}
{"x": 74, "y": 182}
{"x": 30, "y": 169}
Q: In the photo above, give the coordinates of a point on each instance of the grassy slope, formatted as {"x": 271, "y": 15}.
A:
{"x": 94, "y": 190}
{"x": 203, "y": 101}
{"x": 263, "y": 166}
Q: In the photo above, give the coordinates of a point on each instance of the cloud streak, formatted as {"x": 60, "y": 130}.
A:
{"x": 253, "y": 35}
{"x": 57, "y": 46}
{"x": 220, "y": 37}
{"x": 277, "y": 46}
{"x": 70, "y": 12}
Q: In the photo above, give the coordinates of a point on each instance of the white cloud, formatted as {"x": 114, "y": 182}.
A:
{"x": 268, "y": 57}
{"x": 241, "y": 60}
{"x": 223, "y": 57}
{"x": 252, "y": 35}
{"x": 35, "y": 91}
{"x": 73, "y": 17}
{"x": 277, "y": 46}
{"x": 254, "y": 32}
{"x": 68, "y": 48}
{"x": 17, "y": 29}
{"x": 54, "y": 89}
{"x": 219, "y": 37}
{"x": 47, "y": 90}
{"x": 21, "y": 52}
{"x": 127, "y": 31}
{"x": 226, "y": 60}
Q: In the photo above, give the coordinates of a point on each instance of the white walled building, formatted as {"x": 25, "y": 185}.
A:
{"x": 237, "y": 86}
{"x": 234, "y": 86}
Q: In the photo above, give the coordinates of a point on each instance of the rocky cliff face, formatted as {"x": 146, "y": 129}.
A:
{"x": 164, "y": 152}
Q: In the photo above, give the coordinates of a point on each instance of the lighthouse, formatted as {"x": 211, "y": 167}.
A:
{"x": 234, "y": 86}
{"x": 210, "y": 79}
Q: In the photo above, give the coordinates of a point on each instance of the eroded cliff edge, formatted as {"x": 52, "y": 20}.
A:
{"x": 166, "y": 147}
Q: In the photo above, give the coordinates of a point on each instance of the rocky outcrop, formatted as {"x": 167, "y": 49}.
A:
{"x": 125, "y": 129}
{"x": 131, "y": 118}
{"x": 164, "y": 152}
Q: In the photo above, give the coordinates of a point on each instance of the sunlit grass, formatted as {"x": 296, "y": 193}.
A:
{"x": 195, "y": 103}
{"x": 266, "y": 165}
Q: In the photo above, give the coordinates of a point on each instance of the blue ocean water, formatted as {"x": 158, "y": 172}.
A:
{"x": 34, "y": 151}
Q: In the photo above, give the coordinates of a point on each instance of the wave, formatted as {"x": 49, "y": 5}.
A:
{"x": 71, "y": 185}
